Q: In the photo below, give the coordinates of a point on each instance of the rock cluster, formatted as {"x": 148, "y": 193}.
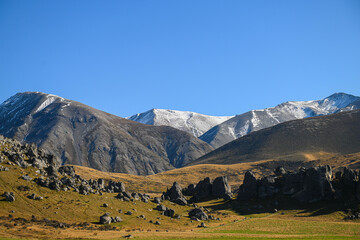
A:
{"x": 34, "y": 197}
{"x": 306, "y": 185}
{"x": 165, "y": 211}
{"x": 174, "y": 194}
{"x": 107, "y": 219}
{"x": 126, "y": 196}
{"x": 219, "y": 188}
{"x": 2, "y": 168}
{"x": 9, "y": 196}
{"x": 16, "y": 152}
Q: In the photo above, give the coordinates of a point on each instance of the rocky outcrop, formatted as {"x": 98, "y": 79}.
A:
{"x": 202, "y": 190}
{"x": 249, "y": 188}
{"x": 9, "y": 196}
{"x": 316, "y": 185}
{"x": 221, "y": 188}
{"x": 205, "y": 189}
{"x": 174, "y": 194}
{"x": 307, "y": 185}
{"x": 198, "y": 213}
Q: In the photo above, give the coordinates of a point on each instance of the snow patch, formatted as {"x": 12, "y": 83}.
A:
{"x": 49, "y": 100}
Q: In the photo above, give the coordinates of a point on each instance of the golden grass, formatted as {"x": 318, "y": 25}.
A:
{"x": 193, "y": 174}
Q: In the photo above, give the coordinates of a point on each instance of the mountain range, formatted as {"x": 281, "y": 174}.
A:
{"x": 161, "y": 140}
{"x": 194, "y": 123}
{"x": 332, "y": 135}
{"x": 81, "y": 135}
{"x": 218, "y": 131}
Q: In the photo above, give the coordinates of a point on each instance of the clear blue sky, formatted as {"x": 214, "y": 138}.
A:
{"x": 212, "y": 57}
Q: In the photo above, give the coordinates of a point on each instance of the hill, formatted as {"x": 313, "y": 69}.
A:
{"x": 81, "y": 135}
{"x": 294, "y": 140}
{"x": 255, "y": 120}
{"x": 67, "y": 214}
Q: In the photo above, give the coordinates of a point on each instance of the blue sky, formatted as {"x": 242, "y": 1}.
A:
{"x": 211, "y": 57}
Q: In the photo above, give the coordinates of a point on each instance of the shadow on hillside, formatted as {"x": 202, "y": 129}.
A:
{"x": 282, "y": 203}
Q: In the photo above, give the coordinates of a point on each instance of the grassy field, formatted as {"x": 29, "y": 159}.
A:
{"x": 83, "y": 212}
{"x": 160, "y": 182}
{"x": 71, "y": 207}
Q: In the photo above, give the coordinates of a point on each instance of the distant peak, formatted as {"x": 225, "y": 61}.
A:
{"x": 340, "y": 95}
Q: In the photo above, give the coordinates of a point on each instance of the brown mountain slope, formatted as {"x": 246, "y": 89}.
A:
{"x": 81, "y": 135}
{"x": 293, "y": 140}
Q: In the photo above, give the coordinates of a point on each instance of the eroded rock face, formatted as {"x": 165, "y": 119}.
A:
{"x": 249, "y": 188}
{"x": 293, "y": 182}
{"x": 307, "y": 185}
{"x": 316, "y": 185}
{"x": 221, "y": 187}
{"x": 190, "y": 190}
{"x": 203, "y": 190}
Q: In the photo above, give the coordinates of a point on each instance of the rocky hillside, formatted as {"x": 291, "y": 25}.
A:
{"x": 255, "y": 120}
{"x": 81, "y": 135}
{"x": 294, "y": 140}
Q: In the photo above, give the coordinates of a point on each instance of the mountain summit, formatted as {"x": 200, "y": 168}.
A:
{"x": 191, "y": 122}
{"x": 218, "y": 131}
{"x": 255, "y": 120}
{"x": 81, "y": 135}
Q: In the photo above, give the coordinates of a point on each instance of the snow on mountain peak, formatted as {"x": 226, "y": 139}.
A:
{"x": 191, "y": 122}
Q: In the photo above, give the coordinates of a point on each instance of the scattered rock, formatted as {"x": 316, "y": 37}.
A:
{"x": 157, "y": 200}
{"x": 105, "y": 219}
{"x": 198, "y": 213}
{"x": 9, "y": 196}
{"x": 202, "y": 225}
{"x": 160, "y": 208}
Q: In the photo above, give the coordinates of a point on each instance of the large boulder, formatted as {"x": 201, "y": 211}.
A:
{"x": 198, "y": 213}
{"x": 317, "y": 185}
{"x": 203, "y": 190}
{"x": 174, "y": 194}
{"x": 249, "y": 188}
{"x": 105, "y": 219}
{"x": 221, "y": 187}
{"x": 9, "y": 196}
{"x": 348, "y": 180}
{"x": 169, "y": 212}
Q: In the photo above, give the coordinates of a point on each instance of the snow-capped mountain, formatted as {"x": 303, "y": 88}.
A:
{"x": 191, "y": 122}
{"x": 254, "y": 120}
{"x": 81, "y": 135}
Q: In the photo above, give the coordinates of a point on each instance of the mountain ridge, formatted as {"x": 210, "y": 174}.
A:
{"x": 191, "y": 122}
{"x": 336, "y": 134}
{"x": 81, "y": 135}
